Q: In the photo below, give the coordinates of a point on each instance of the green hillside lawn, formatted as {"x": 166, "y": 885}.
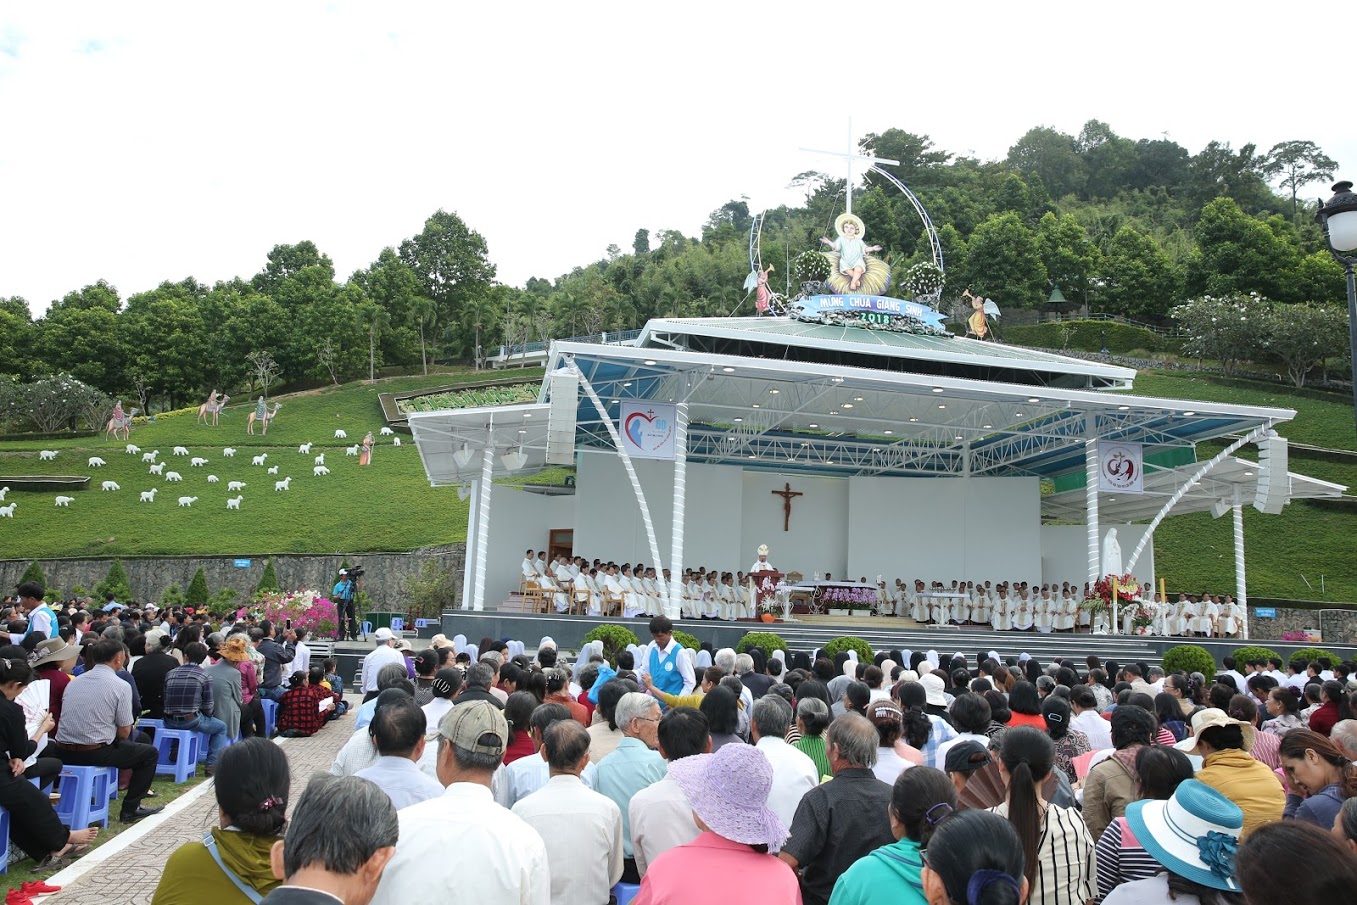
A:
{"x": 388, "y": 506}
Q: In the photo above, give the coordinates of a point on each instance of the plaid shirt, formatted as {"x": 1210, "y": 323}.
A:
{"x": 188, "y": 692}
{"x": 301, "y": 709}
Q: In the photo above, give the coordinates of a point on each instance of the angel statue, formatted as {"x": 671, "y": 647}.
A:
{"x": 120, "y": 423}
{"x": 262, "y": 415}
{"x": 212, "y": 407}
{"x": 763, "y": 296}
{"x": 853, "y": 269}
{"x": 983, "y": 309}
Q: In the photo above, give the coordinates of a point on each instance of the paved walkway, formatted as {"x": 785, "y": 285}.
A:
{"x": 131, "y": 875}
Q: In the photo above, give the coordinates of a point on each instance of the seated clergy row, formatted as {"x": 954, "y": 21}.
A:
{"x": 636, "y": 591}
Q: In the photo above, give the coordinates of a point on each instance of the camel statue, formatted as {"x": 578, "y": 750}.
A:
{"x": 265, "y": 421}
{"x": 120, "y": 424}
{"x": 212, "y": 408}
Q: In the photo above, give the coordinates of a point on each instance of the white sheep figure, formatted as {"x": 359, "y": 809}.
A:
{"x": 158, "y": 468}
{"x": 385, "y": 432}
{"x": 47, "y": 455}
{"x": 96, "y": 462}
{"x": 259, "y": 459}
{"x": 133, "y": 450}
{"x": 150, "y": 456}
{"x": 273, "y": 469}
{"x": 173, "y": 476}
{"x": 396, "y": 441}
{"x": 3, "y": 490}
{"x": 304, "y": 449}
{"x": 229, "y": 452}
{"x": 351, "y": 450}
{"x": 65, "y": 501}
{"x": 148, "y": 496}
{"x": 197, "y": 462}
{"x": 284, "y": 484}
{"x": 341, "y": 435}
{"x": 320, "y": 459}
{"x": 181, "y": 450}
{"x": 186, "y": 502}
{"x": 111, "y": 485}
{"x": 212, "y": 479}
{"x": 235, "y": 485}
{"x": 320, "y": 470}
{"x": 7, "y": 511}
{"x": 234, "y": 502}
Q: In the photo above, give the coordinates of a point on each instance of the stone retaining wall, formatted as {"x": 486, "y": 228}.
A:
{"x": 151, "y": 575}
{"x": 1338, "y": 626}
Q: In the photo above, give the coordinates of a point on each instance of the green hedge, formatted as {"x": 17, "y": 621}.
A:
{"x": 849, "y": 642}
{"x": 1087, "y": 336}
{"x": 1314, "y": 653}
{"x": 615, "y": 639}
{"x": 685, "y": 640}
{"x": 1190, "y": 658}
{"x": 764, "y": 641}
{"x": 1244, "y": 654}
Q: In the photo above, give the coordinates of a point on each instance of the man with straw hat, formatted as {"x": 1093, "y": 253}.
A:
{"x": 729, "y": 793}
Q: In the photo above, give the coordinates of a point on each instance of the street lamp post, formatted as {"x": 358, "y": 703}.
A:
{"x": 1338, "y": 218}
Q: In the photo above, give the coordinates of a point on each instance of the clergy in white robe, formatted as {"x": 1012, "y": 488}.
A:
{"x": 1001, "y": 615}
{"x": 1042, "y": 617}
{"x": 1023, "y": 617}
{"x": 918, "y": 603}
{"x": 981, "y": 607}
{"x": 1231, "y": 618}
{"x": 762, "y": 564}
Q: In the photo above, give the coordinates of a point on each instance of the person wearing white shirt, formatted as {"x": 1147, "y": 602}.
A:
{"x": 529, "y": 565}
{"x": 540, "y": 564}
{"x": 661, "y": 660}
{"x": 397, "y": 730}
{"x": 660, "y": 815}
{"x": 581, "y": 828}
{"x": 528, "y": 774}
{"x": 1084, "y": 703}
{"x": 301, "y": 660}
{"x": 499, "y": 856}
{"x": 380, "y": 656}
{"x": 971, "y": 716}
{"x": 794, "y": 773}
{"x": 762, "y": 564}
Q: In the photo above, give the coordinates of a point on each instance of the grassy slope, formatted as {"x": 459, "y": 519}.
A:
{"x": 388, "y": 506}
{"x": 1285, "y": 551}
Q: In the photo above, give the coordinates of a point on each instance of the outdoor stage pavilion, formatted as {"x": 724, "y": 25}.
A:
{"x": 915, "y": 456}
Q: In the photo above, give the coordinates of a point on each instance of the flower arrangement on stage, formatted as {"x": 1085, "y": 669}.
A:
{"x": 1142, "y": 617}
{"x": 1128, "y": 588}
{"x": 1095, "y": 605}
{"x": 306, "y": 608}
{"x": 849, "y": 598}
{"x": 923, "y": 280}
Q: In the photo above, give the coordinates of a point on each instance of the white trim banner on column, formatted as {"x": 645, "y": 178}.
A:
{"x": 1121, "y": 467}
{"x": 647, "y": 429}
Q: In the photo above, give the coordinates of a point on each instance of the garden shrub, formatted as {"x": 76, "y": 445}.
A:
{"x": 853, "y": 643}
{"x": 685, "y": 640}
{"x": 615, "y": 639}
{"x": 1314, "y": 653}
{"x": 34, "y": 572}
{"x": 197, "y": 594}
{"x": 764, "y": 641}
{"x": 1190, "y": 658}
{"x": 115, "y": 583}
{"x": 269, "y": 580}
{"x": 1251, "y": 652}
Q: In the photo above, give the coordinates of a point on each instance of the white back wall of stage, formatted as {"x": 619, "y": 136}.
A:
{"x": 968, "y": 529}
{"x": 517, "y": 519}
{"x": 608, "y": 522}
{"x": 1064, "y": 552}
{"x": 817, "y": 539}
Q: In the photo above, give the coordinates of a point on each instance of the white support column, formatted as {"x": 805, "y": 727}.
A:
{"x": 483, "y": 520}
{"x": 1091, "y": 504}
{"x": 674, "y": 586}
{"x": 468, "y": 577}
{"x": 1241, "y": 585}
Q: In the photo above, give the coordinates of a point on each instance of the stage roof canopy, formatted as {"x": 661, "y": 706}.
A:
{"x": 888, "y": 412}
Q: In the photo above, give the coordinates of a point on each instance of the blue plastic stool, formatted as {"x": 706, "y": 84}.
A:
{"x": 4, "y": 840}
{"x": 178, "y": 750}
{"x": 270, "y": 716}
{"x": 367, "y": 630}
{"x": 150, "y": 726}
{"x": 84, "y": 796}
{"x": 625, "y": 892}
{"x": 112, "y": 783}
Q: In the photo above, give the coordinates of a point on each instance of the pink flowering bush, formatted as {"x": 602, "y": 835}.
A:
{"x": 305, "y": 608}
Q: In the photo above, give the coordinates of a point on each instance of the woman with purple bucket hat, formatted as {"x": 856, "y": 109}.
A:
{"x": 729, "y": 860}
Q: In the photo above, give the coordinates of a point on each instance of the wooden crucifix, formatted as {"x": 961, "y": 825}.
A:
{"x": 786, "y": 493}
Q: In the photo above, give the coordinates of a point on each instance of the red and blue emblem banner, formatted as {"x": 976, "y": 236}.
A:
{"x": 1121, "y": 467}
{"x": 648, "y": 429}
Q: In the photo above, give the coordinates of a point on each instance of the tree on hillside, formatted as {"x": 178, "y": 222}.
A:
{"x": 1237, "y": 253}
{"x": 1298, "y": 163}
{"x": 1228, "y": 328}
{"x": 1219, "y": 171}
{"x": 167, "y": 339}
{"x": 115, "y": 583}
{"x": 285, "y": 261}
{"x": 1302, "y": 335}
{"x": 79, "y": 335}
{"x": 1002, "y": 262}
{"x": 920, "y": 162}
{"x": 425, "y": 315}
{"x": 640, "y": 243}
{"x": 1110, "y": 159}
{"x": 264, "y": 368}
{"x": 376, "y": 319}
{"x": 1135, "y": 277}
{"x": 1052, "y": 156}
{"x": 452, "y": 263}
{"x": 16, "y": 336}
{"x": 1070, "y": 258}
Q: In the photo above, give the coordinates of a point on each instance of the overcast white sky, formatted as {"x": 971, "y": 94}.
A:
{"x": 145, "y": 142}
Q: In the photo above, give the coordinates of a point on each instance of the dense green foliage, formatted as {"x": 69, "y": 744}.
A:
{"x": 1089, "y": 336}
{"x": 686, "y": 640}
{"x": 115, "y": 583}
{"x": 34, "y": 572}
{"x": 765, "y": 641}
{"x": 1190, "y": 658}
{"x": 1251, "y": 652}
{"x": 615, "y": 639}
{"x": 269, "y": 580}
{"x": 480, "y": 396}
{"x": 850, "y": 642}
{"x": 1314, "y": 654}
{"x": 197, "y": 594}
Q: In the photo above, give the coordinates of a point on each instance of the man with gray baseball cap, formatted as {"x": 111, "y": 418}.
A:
{"x": 500, "y": 857}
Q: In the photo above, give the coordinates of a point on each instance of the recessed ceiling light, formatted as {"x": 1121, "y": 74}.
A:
{"x": 613, "y": 402}
{"x": 729, "y": 370}
{"x": 805, "y": 443}
{"x": 833, "y": 411}
{"x": 988, "y": 426}
{"x": 941, "y": 406}
{"x": 522, "y": 432}
{"x": 829, "y": 461}
{"x": 937, "y": 389}
{"x": 1033, "y": 399}
{"x": 627, "y": 384}
{"x": 756, "y": 405}
{"x": 1248, "y": 474}
{"x": 650, "y": 361}
{"x": 836, "y": 380}
{"x": 913, "y": 419}
{"x": 773, "y": 392}
{"x": 1018, "y": 415}
{"x": 527, "y": 414}
{"x": 738, "y": 420}
{"x": 959, "y": 437}
{"x": 752, "y": 456}
{"x": 848, "y": 405}
{"x": 888, "y": 433}
{"x": 1123, "y": 408}
{"x": 857, "y": 398}
{"x": 812, "y": 425}
{"x": 1188, "y": 414}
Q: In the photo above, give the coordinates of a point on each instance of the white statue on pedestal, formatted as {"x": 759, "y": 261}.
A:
{"x": 1111, "y": 554}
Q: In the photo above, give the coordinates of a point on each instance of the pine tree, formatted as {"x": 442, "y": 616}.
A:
{"x": 269, "y": 580}
{"x": 115, "y": 583}
{"x": 34, "y": 572}
{"x": 197, "y": 594}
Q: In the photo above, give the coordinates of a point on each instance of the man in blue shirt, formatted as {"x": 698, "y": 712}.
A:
{"x": 41, "y": 617}
{"x": 664, "y": 662}
{"x": 633, "y": 765}
{"x": 343, "y": 594}
{"x": 188, "y": 702}
{"x": 398, "y": 731}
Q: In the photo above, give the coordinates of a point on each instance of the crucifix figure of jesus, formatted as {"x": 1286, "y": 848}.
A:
{"x": 864, "y": 161}
{"x": 786, "y": 493}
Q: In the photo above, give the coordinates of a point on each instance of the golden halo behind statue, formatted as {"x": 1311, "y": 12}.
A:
{"x": 854, "y": 219}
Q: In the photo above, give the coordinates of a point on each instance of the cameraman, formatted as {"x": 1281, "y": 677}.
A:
{"x": 344, "y": 599}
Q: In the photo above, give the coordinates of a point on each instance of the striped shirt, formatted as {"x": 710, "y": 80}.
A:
{"x": 95, "y": 704}
{"x": 1121, "y": 858}
{"x": 1067, "y": 871}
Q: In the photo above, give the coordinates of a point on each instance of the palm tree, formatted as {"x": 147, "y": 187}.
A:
{"x": 377, "y": 319}
{"x": 424, "y": 313}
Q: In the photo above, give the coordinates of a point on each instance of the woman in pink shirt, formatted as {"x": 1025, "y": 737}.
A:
{"x": 729, "y": 860}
